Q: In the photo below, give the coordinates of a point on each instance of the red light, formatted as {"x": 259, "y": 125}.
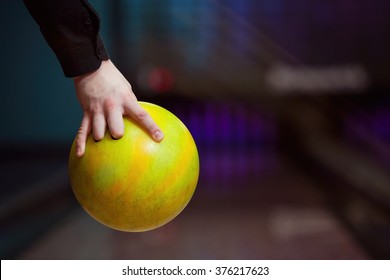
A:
{"x": 160, "y": 80}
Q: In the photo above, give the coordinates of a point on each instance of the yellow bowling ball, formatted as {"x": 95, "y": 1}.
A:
{"x": 135, "y": 184}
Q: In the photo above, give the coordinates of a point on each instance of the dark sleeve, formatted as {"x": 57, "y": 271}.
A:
{"x": 71, "y": 28}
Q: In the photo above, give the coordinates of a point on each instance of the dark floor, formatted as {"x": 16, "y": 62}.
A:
{"x": 273, "y": 211}
{"x": 266, "y": 191}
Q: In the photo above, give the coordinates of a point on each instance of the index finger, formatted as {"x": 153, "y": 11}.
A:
{"x": 134, "y": 110}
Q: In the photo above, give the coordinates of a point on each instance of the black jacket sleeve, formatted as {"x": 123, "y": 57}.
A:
{"x": 71, "y": 28}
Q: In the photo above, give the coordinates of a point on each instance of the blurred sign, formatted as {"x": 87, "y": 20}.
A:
{"x": 285, "y": 79}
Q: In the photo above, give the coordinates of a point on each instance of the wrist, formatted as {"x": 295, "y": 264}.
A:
{"x": 79, "y": 78}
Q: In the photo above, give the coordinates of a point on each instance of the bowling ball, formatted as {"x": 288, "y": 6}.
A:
{"x": 134, "y": 183}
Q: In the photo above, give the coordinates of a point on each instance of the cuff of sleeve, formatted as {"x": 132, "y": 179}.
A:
{"x": 83, "y": 60}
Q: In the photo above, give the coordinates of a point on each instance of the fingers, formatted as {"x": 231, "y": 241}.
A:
{"x": 98, "y": 126}
{"x": 110, "y": 113}
{"x": 115, "y": 123}
{"x": 135, "y": 111}
{"x": 82, "y": 134}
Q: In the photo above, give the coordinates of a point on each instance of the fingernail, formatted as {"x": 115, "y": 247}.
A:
{"x": 158, "y": 135}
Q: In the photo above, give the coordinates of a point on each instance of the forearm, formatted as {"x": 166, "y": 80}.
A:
{"x": 71, "y": 28}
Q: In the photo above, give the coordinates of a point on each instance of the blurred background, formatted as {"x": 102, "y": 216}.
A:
{"x": 288, "y": 103}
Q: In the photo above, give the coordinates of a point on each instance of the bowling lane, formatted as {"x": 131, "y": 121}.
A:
{"x": 271, "y": 211}
{"x": 34, "y": 195}
{"x": 272, "y": 186}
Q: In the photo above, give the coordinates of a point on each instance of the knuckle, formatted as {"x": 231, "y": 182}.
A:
{"x": 81, "y": 132}
{"x": 94, "y": 109}
{"x": 110, "y": 104}
{"x": 141, "y": 115}
{"x": 79, "y": 141}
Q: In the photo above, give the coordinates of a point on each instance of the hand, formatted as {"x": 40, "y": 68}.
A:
{"x": 105, "y": 97}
